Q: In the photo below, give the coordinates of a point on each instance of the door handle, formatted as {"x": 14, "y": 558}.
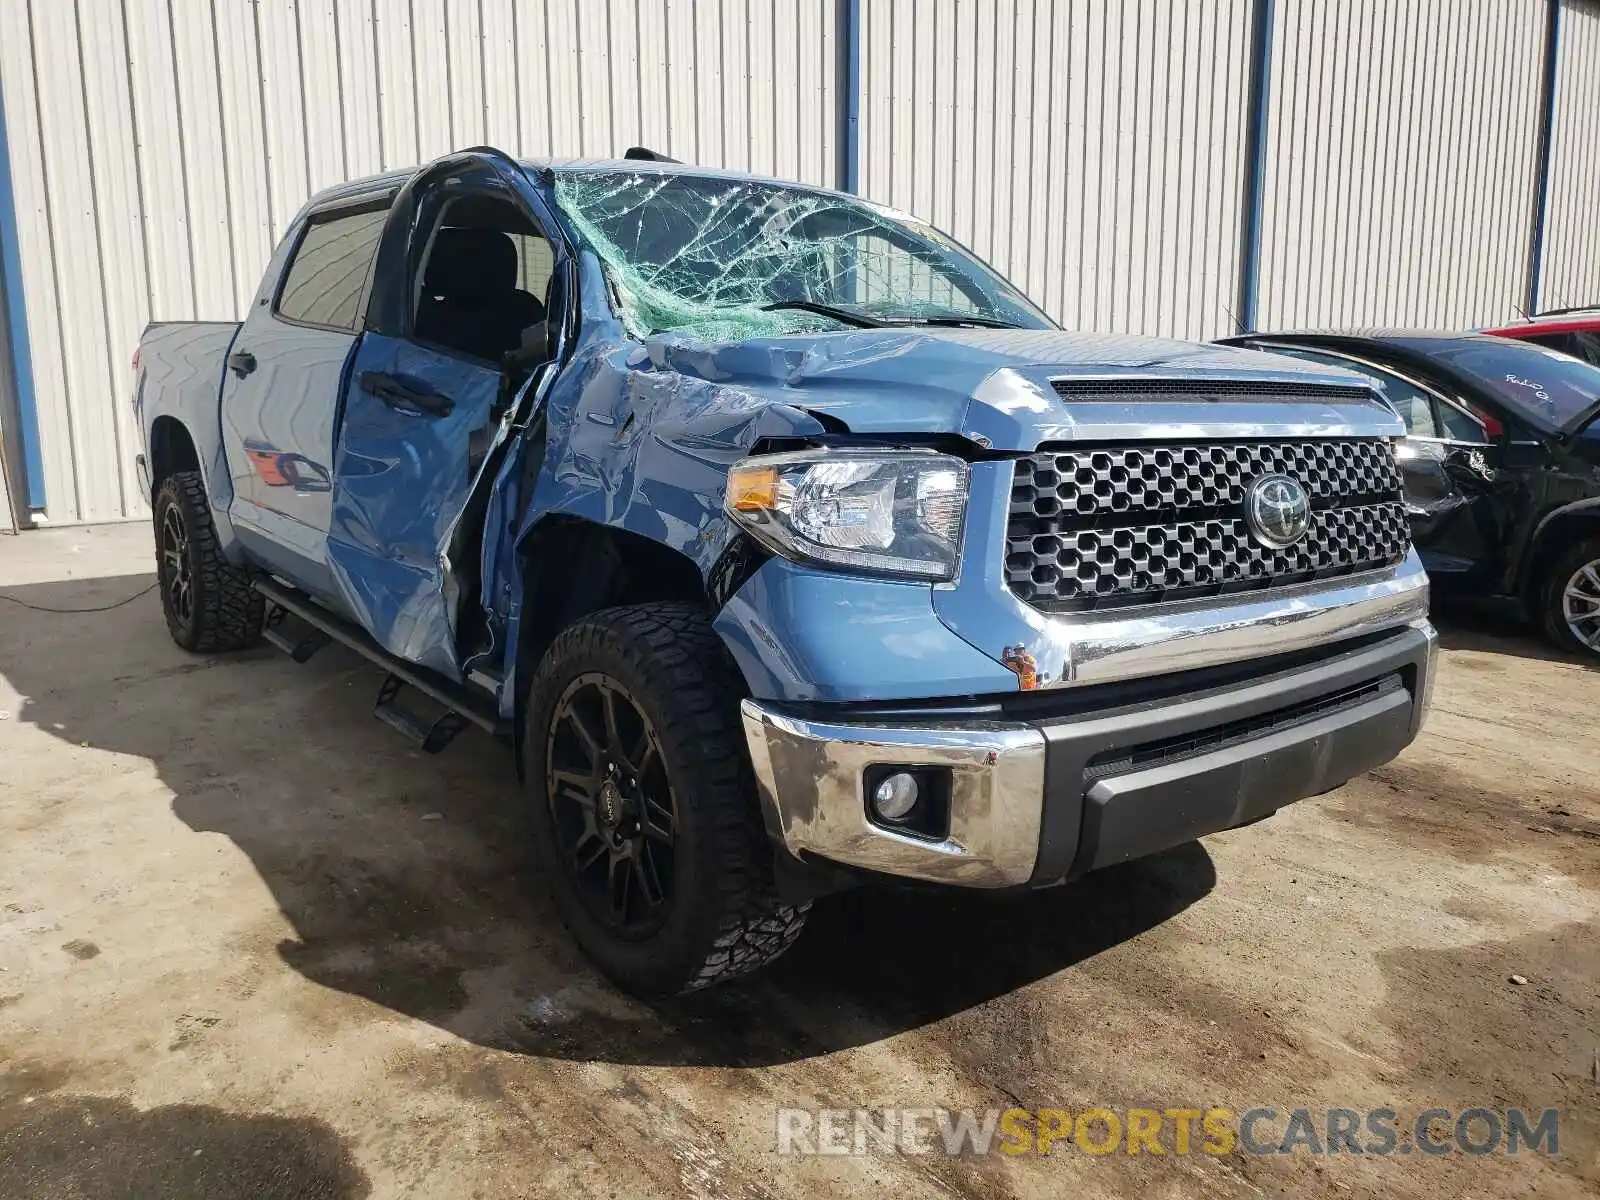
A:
{"x": 405, "y": 397}
{"x": 241, "y": 363}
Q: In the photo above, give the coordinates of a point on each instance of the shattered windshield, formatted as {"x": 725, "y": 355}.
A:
{"x": 726, "y": 259}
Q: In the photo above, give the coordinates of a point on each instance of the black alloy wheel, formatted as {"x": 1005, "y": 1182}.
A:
{"x": 642, "y": 806}
{"x": 612, "y": 806}
{"x": 176, "y": 566}
{"x": 209, "y": 603}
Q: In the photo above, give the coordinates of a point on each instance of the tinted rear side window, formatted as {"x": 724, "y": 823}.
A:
{"x": 1580, "y": 344}
{"x": 329, "y": 271}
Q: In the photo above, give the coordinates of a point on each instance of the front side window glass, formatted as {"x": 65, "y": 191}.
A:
{"x": 1458, "y": 426}
{"x": 535, "y": 263}
{"x": 483, "y": 281}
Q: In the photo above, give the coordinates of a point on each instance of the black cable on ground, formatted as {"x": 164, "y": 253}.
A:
{"x": 44, "y": 608}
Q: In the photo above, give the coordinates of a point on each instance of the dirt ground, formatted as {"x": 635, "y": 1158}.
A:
{"x": 252, "y": 945}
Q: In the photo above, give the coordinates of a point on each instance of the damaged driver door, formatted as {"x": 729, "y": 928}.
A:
{"x": 460, "y": 284}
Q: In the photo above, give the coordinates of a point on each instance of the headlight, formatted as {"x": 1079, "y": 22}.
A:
{"x": 893, "y": 512}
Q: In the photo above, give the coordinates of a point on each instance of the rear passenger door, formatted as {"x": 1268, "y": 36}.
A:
{"x": 282, "y": 385}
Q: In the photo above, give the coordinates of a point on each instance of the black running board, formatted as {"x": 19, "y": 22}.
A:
{"x": 310, "y": 642}
{"x": 461, "y": 703}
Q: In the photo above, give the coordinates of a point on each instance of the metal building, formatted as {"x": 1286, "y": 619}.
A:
{"x": 1401, "y": 162}
{"x": 1092, "y": 152}
{"x": 1182, "y": 167}
{"x": 1569, "y": 270}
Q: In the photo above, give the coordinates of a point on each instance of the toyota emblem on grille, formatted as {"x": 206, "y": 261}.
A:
{"x": 1278, "y": 510}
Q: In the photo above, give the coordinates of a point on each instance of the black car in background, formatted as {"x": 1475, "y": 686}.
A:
{"x": 1501, "y": 460}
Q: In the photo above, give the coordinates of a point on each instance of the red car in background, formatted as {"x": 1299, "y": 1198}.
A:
{"x": 1574, "y": 331}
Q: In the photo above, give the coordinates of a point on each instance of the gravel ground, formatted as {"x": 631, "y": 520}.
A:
{"x": 251, "y": 944}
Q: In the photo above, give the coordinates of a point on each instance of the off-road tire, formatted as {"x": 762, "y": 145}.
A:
{"x": 226, "y": 612}
{"x": 1555, "y": 582}
{"x": 724, "y": 917}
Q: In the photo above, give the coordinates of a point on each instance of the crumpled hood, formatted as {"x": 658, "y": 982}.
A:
{"x": 998, "y": 387}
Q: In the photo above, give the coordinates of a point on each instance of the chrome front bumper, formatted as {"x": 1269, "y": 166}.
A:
{"x": 810, "y": 774}
{"x": 1040, "y": 799}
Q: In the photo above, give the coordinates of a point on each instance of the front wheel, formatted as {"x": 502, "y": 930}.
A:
{"x": 208, "y": 602}
{"x": 1572, "y": 598}
{"x": 642, "y": 803}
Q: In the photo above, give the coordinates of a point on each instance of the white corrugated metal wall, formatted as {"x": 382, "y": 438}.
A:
{"x": 1401, "y": 161}
{"x": 1093, "y": 152}
{"x": 159, "y": 147}
{"x": 1092, "y": 149}
{"x": 1571, "y": 273}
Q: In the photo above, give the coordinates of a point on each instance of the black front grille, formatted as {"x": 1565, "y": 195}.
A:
{"x": 1102, "y": 525}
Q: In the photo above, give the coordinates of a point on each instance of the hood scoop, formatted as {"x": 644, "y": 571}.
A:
{"x": 1080, "y": 389}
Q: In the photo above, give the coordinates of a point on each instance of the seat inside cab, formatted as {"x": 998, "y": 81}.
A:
{"x": 484, "y": 281}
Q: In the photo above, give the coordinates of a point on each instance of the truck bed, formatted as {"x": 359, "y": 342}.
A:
{"x": 177, "y": 358}
{"x": 178, "y": 374}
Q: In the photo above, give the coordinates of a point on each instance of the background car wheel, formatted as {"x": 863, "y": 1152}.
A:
{"x": 643, "y": 806}
{"x": 1572, "y": 598}
{"x": 208, "y": 602}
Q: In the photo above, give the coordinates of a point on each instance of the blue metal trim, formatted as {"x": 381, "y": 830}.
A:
{"x": 1547, "y": 121}
{"x": 850, "y": 109}
{"x": 11, "y": 306}
{"x": 1255, "y": 163}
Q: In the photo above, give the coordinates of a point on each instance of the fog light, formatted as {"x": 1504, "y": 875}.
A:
{"x": 895, "y": 797}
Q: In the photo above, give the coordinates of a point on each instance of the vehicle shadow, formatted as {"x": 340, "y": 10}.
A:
{"x": 1467, "y": 627}
{"x": 407, "y": 880}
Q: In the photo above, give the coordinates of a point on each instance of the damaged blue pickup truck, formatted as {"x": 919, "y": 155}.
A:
{"x": 787, "y": 544}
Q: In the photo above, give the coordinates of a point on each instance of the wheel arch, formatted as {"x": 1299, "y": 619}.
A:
{"x": 1555, "y": 532}
{"x": 603, "y": 566}
{"x": 172, "y": 449}
{"x": 172, "y": 446}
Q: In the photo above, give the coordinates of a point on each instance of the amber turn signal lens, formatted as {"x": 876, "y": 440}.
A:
{"x": 753, "y": 489}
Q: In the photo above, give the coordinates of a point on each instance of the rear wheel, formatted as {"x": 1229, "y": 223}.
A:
{"x": 642, "y": 803}
{"x": 208, "y": 602}
{"x": 1572, "y": 598}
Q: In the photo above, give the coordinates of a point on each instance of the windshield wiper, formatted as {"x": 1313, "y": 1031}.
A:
{"x": 883, "y": 320}
{"x": 825, "y": 310}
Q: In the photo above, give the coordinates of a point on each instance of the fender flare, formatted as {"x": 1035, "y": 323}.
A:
{"x": 214, "y": 477}
{"x": 1534, "y": 554}
{"x": 1566, "y": 510}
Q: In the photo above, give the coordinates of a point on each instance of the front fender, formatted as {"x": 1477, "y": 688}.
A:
{"x": 1526, "y": 579}
{"x": 1589, "y": 508}
{"x": 648, "y": 450}
{"x": 803, "y": 634}
{"x": 636, "y": 447}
